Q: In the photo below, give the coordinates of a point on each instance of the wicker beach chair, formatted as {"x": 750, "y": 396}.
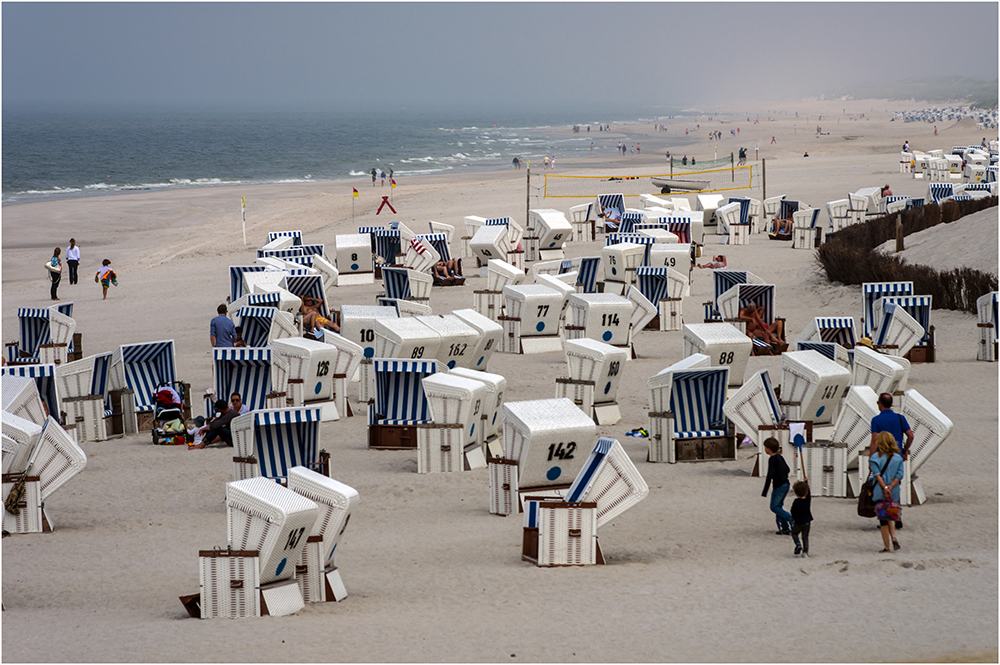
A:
{"x": 268, "y": 442}
{"x": 451, "y": 439}
{"x": 686, "y": 421}
{"x": 399, "y": 404}
{"x": 812, "y": 386}
{"x": 531, "y": 320}
{"x": 595, "y": 370}
{"x": 723, "y": 342}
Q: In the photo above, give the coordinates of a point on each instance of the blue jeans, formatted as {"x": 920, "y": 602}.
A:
{"x": 781, "y": 516}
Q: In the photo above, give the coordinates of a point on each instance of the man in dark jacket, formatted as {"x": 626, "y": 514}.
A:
{"x": 218, "y": 427}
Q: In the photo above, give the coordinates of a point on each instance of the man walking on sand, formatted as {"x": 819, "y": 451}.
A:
{"x": 772, "y": 140}
{"x": 222, "y": 331}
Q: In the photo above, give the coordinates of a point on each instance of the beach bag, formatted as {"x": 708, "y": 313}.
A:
{"x": 866, "y": 505}
{"x": 888, "y": 510}
{"x": 14, "y": 497}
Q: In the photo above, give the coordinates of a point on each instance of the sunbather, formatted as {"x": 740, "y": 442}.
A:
{"x": 447, "y": 269}
{"x": 311, "y": 317}
{"x": 773, "y": 334}
{"x": 716, "y": 262}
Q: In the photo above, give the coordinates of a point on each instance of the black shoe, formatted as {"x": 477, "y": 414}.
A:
{"x": 798, "y": 550}
{"x": 784, "y": 532}
{"x": 899, "y": 525}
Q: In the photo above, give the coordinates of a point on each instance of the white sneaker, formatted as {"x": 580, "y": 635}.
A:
{"x": 805, "y": 555}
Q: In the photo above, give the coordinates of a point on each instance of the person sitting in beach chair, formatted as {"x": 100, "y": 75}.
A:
{"x": 447, "y": 270}
{"x": 311, "y": 317}
{"x": 716, "y": 262}
{"x": 756, "y": 328}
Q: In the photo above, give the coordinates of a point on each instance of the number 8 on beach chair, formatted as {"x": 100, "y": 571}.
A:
{"x": 686, "y": 420}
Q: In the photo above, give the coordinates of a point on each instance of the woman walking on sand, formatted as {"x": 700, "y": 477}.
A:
{"x": 54, "y": 267}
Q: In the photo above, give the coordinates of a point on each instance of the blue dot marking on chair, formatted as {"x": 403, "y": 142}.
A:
{"x": 607, "y": 388}
{"x": 354, "y": 266}
{"x": 451, "y": 364}
{"x": 472, "y": 430}
{"x": 281, "y": 566}
{"x": 607, "y": 336}
{"x": 541, "y": 326}
{"x": 552, "y": 244}
{"x": 614, "y": 271}
{"x": 369, "y": 352}
{"x": 318, "y": 388}
{"x": 332, "y": 550}
{"x": 480, "y": 361}
{"x": 820, "y": 411}
{"x": 553, "y": 473}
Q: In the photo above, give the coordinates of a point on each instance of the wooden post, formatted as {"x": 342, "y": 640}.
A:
{"x": 899, "y": 233}
{"x": 732, "y": 166}
{"x": 527, "y": 198}
{"x": 763, "y": 177}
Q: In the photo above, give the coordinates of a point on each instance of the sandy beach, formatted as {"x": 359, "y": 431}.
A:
{"x": 695, "y": 572}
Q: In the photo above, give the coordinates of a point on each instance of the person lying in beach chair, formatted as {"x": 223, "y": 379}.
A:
{"x": 311, "y": 318}
{"x": 772, "y": 336}
{"x": 716, "y": 262}
{"x": 447, "y": 272}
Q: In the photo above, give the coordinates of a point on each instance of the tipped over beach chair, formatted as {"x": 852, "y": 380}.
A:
{"x": 853, "y": 424}
{"x": 318, "y": 577}
{"x": 812, "y": 386}
{"x": 686, "y": 420}
{"x": 839, "y": 329}
{"x": 643, "y": 313}
{"x": 756, "y": 413}
{"x": 664, "y": 288}
{"x": 897, "y": 332}
{"x": 918, "y": 307}
{"x": 873, "y": 291}
{"x": 46, "y": 389}
{"x": 450, "y": 441}
{"x": 269, "y": 442}
{"x": 881, "y": 372}
{"x": 21, "y": 398}
{"x": 549, "y": 231}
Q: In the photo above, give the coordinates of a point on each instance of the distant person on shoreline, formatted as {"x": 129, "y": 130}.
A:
{"x": 55, "y": 273}
{"x": 73, "y": 260}
{"x": 382, "y": 175}
{"x": 374, "y": 175}
{"x": 516, "y": 163}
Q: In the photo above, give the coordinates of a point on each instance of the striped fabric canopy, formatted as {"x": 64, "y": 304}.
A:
{"x": 439, "y": 241}
{"x": 744, "y": 208}
{"x": 828, "y": 349}
{"x": 387, "y": 244}
{"x": 399, "y": 393}
{"x": 370, "y": 229}
{"x": 285, "y": 438}
{"x": 586, "y": 278}
{"x": 307, "y": 285}
{"x": 919, "y": 307}
{"x": 296, "y": 236}
{"x": 787, "y": 208}
{"x": 679, "y": 226}
{"x": 43, "y": 325}
{"x": 589, "y": 470}
{"x": 146, "y": 366}
{"x": 497, "y": 221}
{"x": 236, "y": 279}
{"x": 264, "y": 300}
{"x": 696, "y": 399}
{"x": 915, "y": 203}
{"x": 939, "y": 191}
{"x": 837, "y": 329}
{"x": 45, "y": 382}
{"x": 653, "y": 283}
{"x": 397, "y": 283}
{"x": 246, "y": 371}
{"x": 66, "y": 309}
{"x": 761, "y": 295}
{"x": 257, "y": 325}
{"x": 872, "y": 291}
{"x": 727, "y": 279}
{"x": 295, "y": 250}
{"x": 629, "y": 220}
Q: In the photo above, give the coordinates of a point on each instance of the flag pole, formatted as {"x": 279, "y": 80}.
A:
{"x": 244, "y": 199}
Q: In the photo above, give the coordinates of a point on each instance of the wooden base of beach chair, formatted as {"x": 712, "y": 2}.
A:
{"x": 987, "y": 350}
{"x": 705, "y": 449}
{"x": 392, "y": 437}
{"x": 670, "y": 316}
{"x": 123, "y": 420}
{"x": 516, "y": 258}
{"x": 806, "y": 238}
{"x": 474, "y": 457}
{"x": 145, "y": 421}
{"x": 739, "y": 234}
{"x": 920, "y": 354}
{"x": 77, "y": 353}
{"x": 53, "y": 354}
{"x": 88, "y": 415}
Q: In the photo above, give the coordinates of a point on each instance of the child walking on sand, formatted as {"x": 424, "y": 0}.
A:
{"x": 106, "y": 276}
{"x": 802, "y": 517}
{"x": 777, "y": 473}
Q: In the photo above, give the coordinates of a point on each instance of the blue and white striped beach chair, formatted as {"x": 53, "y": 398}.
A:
{"x": 839, "y": 329}
{"x": 399, "y": 399}
{"x": 915, "y": 203}
{"x": 236, "y": 280}
{"x": 628, "y": 222}
{"x": 141, "y": 368}
{"x": 872, "y": 291}
{"x": 654, "y": 284}
{"x": 307, "y": 286}
{"x": 740, "y": 295}
{"x": 296, "y": 250}
{"x": 831, "y": 350}
{"x": 387, "y": 244}
{"x": 246, "y": 371}
{"x": 586, "y": 278}
{"x": 723, "y": 280}
{"x": 269, "y": 442}
{"x": 439, "y": 241}
{"x": 45, "y": 381}
{"x": 752, "y": 407}
{"x": 919, "y": 307}
{"x": 634, "y": 238}
{"x": 38, "y": 326}
{"x": 296, "y": 236}
{"x": 263, "y": 325}
{"x": 896, "y": 329}
{"x": 610, "y": 479}
{"x": 940, "y": 191}
{"x": 697, "y": 397}
{"x": 406, "y": 284}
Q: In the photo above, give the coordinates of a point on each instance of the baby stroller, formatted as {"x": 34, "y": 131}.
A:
{"x": 168, "y": 414}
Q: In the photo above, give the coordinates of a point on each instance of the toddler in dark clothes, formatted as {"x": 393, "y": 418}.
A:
{"x": 801, "y": 517}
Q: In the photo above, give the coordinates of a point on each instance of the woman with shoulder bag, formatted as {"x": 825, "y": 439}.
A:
{"x": 887, "y": 469}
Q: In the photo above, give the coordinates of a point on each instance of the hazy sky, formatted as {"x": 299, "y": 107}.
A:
{"x": 476, "y": 55}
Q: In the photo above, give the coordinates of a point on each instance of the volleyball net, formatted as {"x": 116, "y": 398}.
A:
{"x": 730, "y": 177}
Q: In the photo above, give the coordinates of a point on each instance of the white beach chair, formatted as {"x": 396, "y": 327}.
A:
{"x": 812, "y": 386}
{"x": 406, "y": 337}
{"x": 265, "y": 517}
{"x": 491, "y": 411}
{"x": 357, "y": 323}
{"x": 722, "y": 342}
{"x": 336, "y": 503}
{"x": 620, "y": 261}
{"x": 266, "y": 295}
{"x": 268, "y": 442}
{"x": 599, "y": 316}
{"x": 551, "y": 230}
{"x": 399, "y": 404}
{"x": 709, "y": 204}
{"x": 500, "y": 274}
{"x": 837, "y": 212}
{"x": 897, "y": 332}
{"x": 806, "y": 230}
{"x": 295, "y": 237}
{"x": 556, "y": 283}
{"x": 930, "y": 429}
{"x": 487, "y": 341}
{"x": 345, "y": 368}
{"x": 880, "y": 372}
{"x": 263, "y": 325}
{"x": 664, "y": 287}
{"x": 727, "y": 216}
{"x": 643, "y": 313}
{"x": 582, "y": 219}
{"x": 547, "y": 438}
{"x": 830, "y": 350}
{"x": 405, "y": 307}
{"x": 686, "y": 421}
{"x": 853, "y": 425}
{"x": 21, "y": 398}
{"x": 355, "y": 263}
{"x": 46, "y": 334}
{"x": 490, "y": 242}
{"x": 755, "y": 411}
{"x": 838, "y": 329}
{"x": 609, "y": 479}
{"x": 313, "y": 368}
{"x": 407, "y": 284}
{"x": 456, "y": 405}
{"x": 421, "y": 255}
{"x": 986, "y": 305}
{"x": 531, "y": 322}
{"x": 772, "y": 205}
{"x": 458, "y": 339}
{"x": 595, "y": 370}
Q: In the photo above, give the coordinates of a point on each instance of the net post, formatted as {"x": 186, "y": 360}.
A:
{"x": 527, "y": 196}
{"x": 732, "y": 166}
{"x": 763, "y": 177}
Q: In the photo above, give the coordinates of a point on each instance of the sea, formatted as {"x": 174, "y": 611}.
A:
{"x": 52, "y": 154}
